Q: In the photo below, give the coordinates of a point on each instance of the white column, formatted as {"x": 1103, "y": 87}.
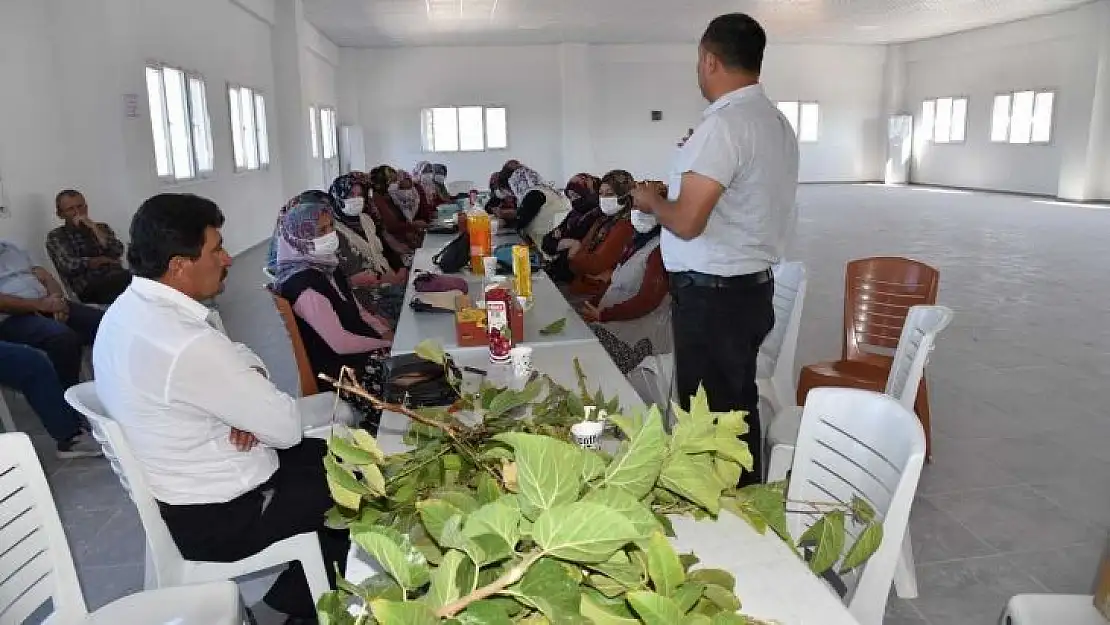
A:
{"x": 893, "y": 103}
{"x": 293, "y": 139}
{"x": 577, "y": 101}
{"x": 1080, "y": 125}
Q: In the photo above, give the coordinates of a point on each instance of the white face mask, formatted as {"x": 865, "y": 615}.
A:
{"x": 501, "y": 194}
{"x": 610, "y": 205}
{"x": 326, "y": 245}
{"x": 352, "y": 207}
{"x": 440, "y": 178}
{"x": 393, "y": 186}
{"x": 643, "y": 222}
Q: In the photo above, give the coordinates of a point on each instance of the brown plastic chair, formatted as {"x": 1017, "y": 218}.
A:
{"x": 304, "y": 367}
{"x": 878, "y": 294}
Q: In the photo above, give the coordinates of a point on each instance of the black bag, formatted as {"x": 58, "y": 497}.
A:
{"x": 455, "y": 255}
{"x": 418, "y": 383}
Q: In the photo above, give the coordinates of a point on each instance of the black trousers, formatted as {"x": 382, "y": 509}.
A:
{"x": 226, "y": 532}
{"x": 717, "y": 334}
{"x": 104, "y": 289}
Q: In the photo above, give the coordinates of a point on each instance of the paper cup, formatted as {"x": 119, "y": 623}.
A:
{"x": 587, "y": 434}
{"x": 489, "y": 266}
{"x": 521, "y": 357}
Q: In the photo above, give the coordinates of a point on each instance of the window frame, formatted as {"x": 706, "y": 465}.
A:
{"x": 931, "y": 136}
{"x": 1010, "y": 116}
{"x": 424, "y": 139}
{"x": 259, "y": 130}
{"x": 796, "y": 125}
{"x": 322, "y": 131}
{"x": 199, "y": 172}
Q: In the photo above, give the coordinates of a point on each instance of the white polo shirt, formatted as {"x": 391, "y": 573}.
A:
{"x": 748, "y": 146}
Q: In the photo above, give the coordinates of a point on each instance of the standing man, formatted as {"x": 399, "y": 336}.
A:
{"x": 725, "y": 223}
{"x": 86, "y": 253}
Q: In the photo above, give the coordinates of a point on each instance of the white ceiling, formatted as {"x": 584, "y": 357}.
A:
{"x": 368, "y": 23}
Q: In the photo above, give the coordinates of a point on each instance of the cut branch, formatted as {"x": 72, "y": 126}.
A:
{"x": 512, "y": 576}
{"x": 381, "y": 404}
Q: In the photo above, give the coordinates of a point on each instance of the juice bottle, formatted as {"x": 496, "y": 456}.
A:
{"x": 522, "y": 270}
{"x": 477, "y": 225}
{"x": 498, "y": 325}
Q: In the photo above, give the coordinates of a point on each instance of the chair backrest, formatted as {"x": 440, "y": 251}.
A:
{"x": 878, "y": 294}
{"x": 776, "y": 355}
{"x": 162, "y": 551}
{"x": 307, "y": 378}
{"x": 61, "y": 277}
{"x": 855, "y": 443}
{"x": 35, "y": 561}
{"x": 918, "y": 339}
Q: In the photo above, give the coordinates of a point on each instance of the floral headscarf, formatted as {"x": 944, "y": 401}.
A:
{"x": 296, "y": 231}
{"x": 405, "y": 196}
{"x": 523, "y": 180}
{"x": 381, "y": 177}
{"x": 622, "y": 183}
{"x": 342, "y": 188}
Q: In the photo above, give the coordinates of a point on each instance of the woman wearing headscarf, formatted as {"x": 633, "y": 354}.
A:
{"x": 632, "y": 319}
{"x": 439, "y": 177}
{"x": 601, "y": 248}
{"x": 581, "y": 191}
{"x": 398, "y": 232}
{"x": 537, "y": 202}
{"x": 502, "y": 203}
{"x": 424, "y": 177}
{"x": 336, "y": 330}
{"x": 407, "y": 198}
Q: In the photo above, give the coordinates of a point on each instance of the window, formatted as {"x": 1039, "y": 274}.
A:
{"x": 804, "y": 117}
{"x": 464, "y": 128}
{"x": 1022, "y": 117}
{"x": 250, "y": 138}
{"x": 944, "y": 120}
{"x": 179, "y": 121}
{"x": 328, "y": 135}
{"x": 314, "y": 130}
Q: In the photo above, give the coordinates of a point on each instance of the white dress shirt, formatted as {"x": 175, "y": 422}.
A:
{"x": 177, "y": 386}
{"x": 748, "y": 146}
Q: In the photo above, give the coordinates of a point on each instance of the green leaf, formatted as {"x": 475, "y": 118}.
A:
{"x": 693, "y": 478}
{"x": 431, "y": 350}
{"x": 722, "y": 597}
{"x": 331, "y": 609}
{"x": 633, "y": 509}
{"x": 453, "y": 578}
{"x": 485, "y": 612}
{"x": 483, "y": 549}
{"x": 606, "y": 585}
{"x": 575, "y": 407}
{"x": 350, "y": 453}
{"x": 687, "y": 595}
{"x": 548, "y": 588}
{"x": 654, "y": 609}
{"x": 719, "y": 577}
{"x": 727, "y": 471}
{"x": 865, "y": 546}
{"x": 583, "y": 532}
{"x": 435, "y": 513}
{"x": 603, "y": 614}
{"x": 549, "y": 471}
{"x": 726, "y": 618}
{"x": 735, "y": 450}
{"x": 364, "y": 441}
{"x": 637, "y": 466}
{"x": 862, "y": 512}
{"x": 346, "y": 489}
{"x": 688, "y": 560}
{"x": 732, "y": 424}
{"x": 499, "y": 519}
{"x": 696, "y": 619}
{"x": 592, "y": 465}
{"x": 664, "y": 567}
{"x": 826, "y": 537}
{"x": 488, "y": 489}
{"x": 401, "y": 613}
{"x": 554, "y": 327}
{"x": 761, "y": 506}
{"x": 396, "y": 555}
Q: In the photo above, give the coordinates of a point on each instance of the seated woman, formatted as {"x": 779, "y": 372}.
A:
{"x": 403, "y": 235}
{"x": 538, "y": 204}
{"x": 337, "y": 331}
{"x": 630, "y": 318}
{"x": 407, "y": 198}
{"x": 593, "y": 259}
{"x": 582, "y": 192}
{"x": 501, "y": 202}
{"x": 425, "y": 178}
{"x": 439, "y": 177}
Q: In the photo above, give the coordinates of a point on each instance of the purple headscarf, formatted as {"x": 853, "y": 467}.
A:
{"x": 296, "y": 231}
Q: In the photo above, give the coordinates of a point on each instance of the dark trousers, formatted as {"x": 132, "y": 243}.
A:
{"x": 104, "y": 289}
{"x": 717, "y": 334}
{"x": 29, "y": 371}
{"x": 64, "y": 342}
{"x": 226, "y": 532}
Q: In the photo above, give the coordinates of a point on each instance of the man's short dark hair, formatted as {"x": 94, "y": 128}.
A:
{"x": 169, "y": 225}
{"x": 63, "y": 194}
{"x": 737, "y": 40}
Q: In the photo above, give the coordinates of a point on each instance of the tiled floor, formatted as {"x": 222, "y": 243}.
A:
{"x": 1017, "y": 498}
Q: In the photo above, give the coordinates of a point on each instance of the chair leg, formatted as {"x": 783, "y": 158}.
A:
{"x": 779, "y": 463}
{"x": 905, "y": 573}
{"x": 921, "y": 406}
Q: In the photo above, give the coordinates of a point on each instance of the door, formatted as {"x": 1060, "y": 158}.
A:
{"x": 899, "y": 149}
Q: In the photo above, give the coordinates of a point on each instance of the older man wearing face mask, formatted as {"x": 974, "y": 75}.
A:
{"x": 725, "y": 223}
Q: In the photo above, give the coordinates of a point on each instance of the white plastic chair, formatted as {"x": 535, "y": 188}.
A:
{"x": 6, "y": 419}
{"x": 460, "y": 186}
{"x": 775, "y": 366}
{"x": 165, "y": 566}
{"x": 1051, "y": 610}
{"x": 37, "y": 565}
{"x": 855, "y": 443}
{"x": 654, "y": 380}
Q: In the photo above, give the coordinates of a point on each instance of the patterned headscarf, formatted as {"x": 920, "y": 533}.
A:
{"x": 420, "y": 168}
{"x": 622, "y": 183}
{"x": 296, "y": 231}
{"x": 342, "y": 188}
{"x": 523, "y": 180}
{"x": 582, "y": 192}
{"x": 406, "y": 199}
{"x": 380, "y": 177}
{"x": 439, "y": 169}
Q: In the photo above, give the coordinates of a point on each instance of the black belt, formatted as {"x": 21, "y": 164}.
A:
{"x": 695, "y": 278}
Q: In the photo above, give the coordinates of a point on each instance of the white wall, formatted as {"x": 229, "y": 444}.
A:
{"x": 587, "y": 107}
{"x": 66, "y": 67}
{"x": 1058, "y": 52}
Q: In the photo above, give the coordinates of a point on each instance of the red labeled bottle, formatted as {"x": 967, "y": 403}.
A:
{"x": 498, "y": 324}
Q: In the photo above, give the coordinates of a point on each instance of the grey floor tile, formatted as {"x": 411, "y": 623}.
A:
{"x": 938, "y": 537}
{"x": 104, "y": 584}
{"x": 969, "y": 592}
{"x": 1069, "y": 571}
{"x": 88, "y": 486}
{"x": 120, "y": 541}
{"x": 1015, "y": 518}
{"x": 961, "y": 464}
